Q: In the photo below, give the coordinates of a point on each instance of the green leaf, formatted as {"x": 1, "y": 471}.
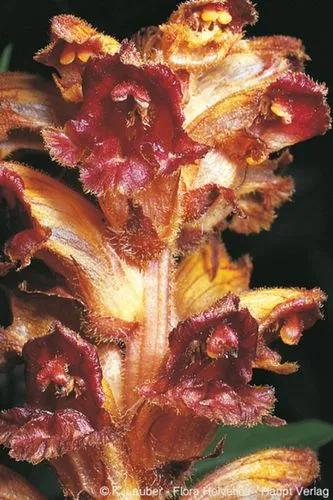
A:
{"x": 5, "y": 58}
{"x": 239, "y": 442}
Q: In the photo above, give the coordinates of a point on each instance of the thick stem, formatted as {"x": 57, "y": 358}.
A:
{"x": 147, "y": 349}
{"x": 108, "y": 472}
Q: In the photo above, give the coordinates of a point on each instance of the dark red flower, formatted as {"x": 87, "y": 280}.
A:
{"x": 210, "y": 366}
{"x": 65, "y": 399}
{"x": 266, "y": 119}
{"x": 63, "y": 371}
{"x": 296, "y": 111}
{"x": 129, "y": 127}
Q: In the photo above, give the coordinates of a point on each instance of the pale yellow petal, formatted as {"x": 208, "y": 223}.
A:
{"x": 268, "y": 305}
{"x": 278, "y": 473}
{"x": 207, "y": 275}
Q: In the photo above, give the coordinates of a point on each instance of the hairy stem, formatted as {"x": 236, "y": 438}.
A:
{"x": 147, "y": 349}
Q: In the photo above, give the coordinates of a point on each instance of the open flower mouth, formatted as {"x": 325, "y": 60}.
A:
{"x": 210, "y": 367}
{"x": 201, "y": 16}
{"x": 138, "y": 331}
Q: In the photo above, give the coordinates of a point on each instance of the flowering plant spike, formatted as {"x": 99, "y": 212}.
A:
{"x": 138, "y": 331}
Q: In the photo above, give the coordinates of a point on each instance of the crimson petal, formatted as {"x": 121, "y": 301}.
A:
{"x": 129, "y": 128}
{"x": 210, "y": 366}
{"x": 21, "y": 234}
{"x": 36, "y": 435}
{"x": 63, "y": 371}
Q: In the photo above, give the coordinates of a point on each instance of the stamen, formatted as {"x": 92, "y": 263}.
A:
{"x": 223, "y": 343}
{"x": 280, "y": 111}
{"x": 209, "y": 16}
{"x": 68, "y": 55}
{"x": 84, "y": 54}
{"x": 291, "y": 331}
{"x": 224, "y": 17}
{"x": 253, "y": 162}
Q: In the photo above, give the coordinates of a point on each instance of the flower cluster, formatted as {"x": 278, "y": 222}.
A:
{"x": 138, "y": 331}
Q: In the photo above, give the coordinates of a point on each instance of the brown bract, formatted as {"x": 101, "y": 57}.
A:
{"x": 206, "y": 275}
{"x": 260, "y": 195}
{"x": 27, "y": 104}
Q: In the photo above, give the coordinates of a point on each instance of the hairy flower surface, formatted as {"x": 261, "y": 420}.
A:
{"x": 65, "y": 398}
{"x": 73, "y": 43}
{"x": 210, "y": 367}
{"x": 129, "y": 128}
{"x": 138, "y": 331}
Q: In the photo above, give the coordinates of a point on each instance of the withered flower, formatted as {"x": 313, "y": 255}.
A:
{"x": 21, "y": 234}
{"x": 138, "y": 331}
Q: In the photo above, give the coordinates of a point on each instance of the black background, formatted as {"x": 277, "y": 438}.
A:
{"x": 297, "y": 251}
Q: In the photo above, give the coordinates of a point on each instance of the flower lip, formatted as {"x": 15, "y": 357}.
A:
{"x": 123, "y": 90}
{"x": 230, "y": 13}
{"x": 35, "y": 435}
{"x": 63, "y": 371}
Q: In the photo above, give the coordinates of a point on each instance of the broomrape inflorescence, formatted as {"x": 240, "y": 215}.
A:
{"x": 138, "y": 332}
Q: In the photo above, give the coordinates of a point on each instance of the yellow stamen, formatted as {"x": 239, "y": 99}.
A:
{"x": 84, "y": 54}
{"x": 253, "y": 162}
{"x": 224, "y": 17}
{"x": 67, "y": 55}
{"x": 212, "y": 355}
{"x": 209, "y": 16}
{"x": 281, "y": 112}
